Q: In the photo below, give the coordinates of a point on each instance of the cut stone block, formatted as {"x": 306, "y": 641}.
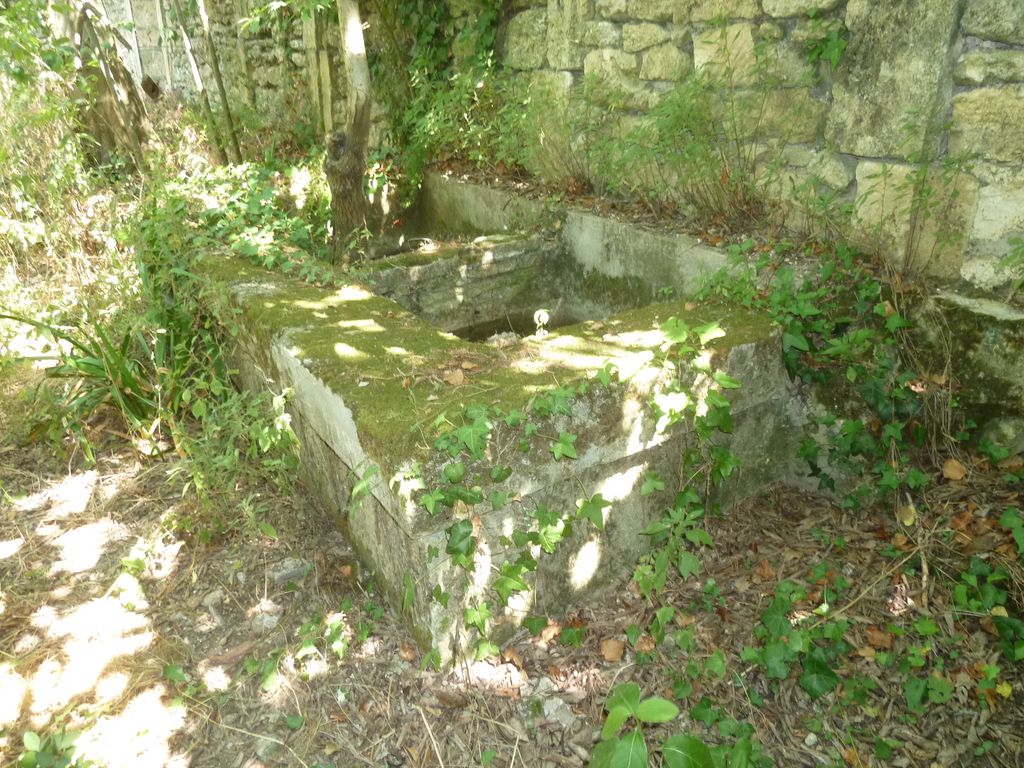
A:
{"x": 898, "y": 66}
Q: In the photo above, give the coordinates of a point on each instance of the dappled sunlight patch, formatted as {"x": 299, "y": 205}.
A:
{"x": 15, "y": 689}
{"x": 137, "y": 736}
{"x": 347, "y": 351}
{"x": 620, "y": 485}
{"x": 10, "y": 548}
{"x": 65, "y": 498}
{"x": 215, "y": 678}
{"x": 584, "y": 564}
{"x": 82, "y": 547}
{"x": 365, "y": 325}
{"x": 93, "y": 635}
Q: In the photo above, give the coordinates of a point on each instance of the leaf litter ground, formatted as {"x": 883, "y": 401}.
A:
{"x": 249, "y": 650}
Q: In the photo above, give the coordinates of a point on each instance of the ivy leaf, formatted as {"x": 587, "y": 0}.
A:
{"x": 499, "y": 499}
{"x": 478, "y": 616}
{"x": 817, "y": 678}
{"x": 430, "y": 500}
{"x": 725, "y": 381}
{"x": 549, "y": 536}
{"x": 461, "y": 543}
{"x": 652, "y": 483}
{"x": 294, "y": 722}
{"x": 506, "y": 584}
{"x": 564, "y": 447}
{"x": 474, "y": 436}
{"x": 708, "y": 333}
{"x": 775, "y": 656}
{"x": 455, "y": 472}
{"x": 675, "y": 330}
{"x": 499, "y": 474}
{"x": 440, "y": 596}
{"x": 914, "y": 690}
{"x": 686, "y": 752}
{"x": 535, "y": 624}
{"x": 593, "y": 509}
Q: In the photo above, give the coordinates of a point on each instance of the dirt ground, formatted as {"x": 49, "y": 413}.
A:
{"x": 248, "y": 650}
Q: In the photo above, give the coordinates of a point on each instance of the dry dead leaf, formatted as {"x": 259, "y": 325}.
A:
{"x": 645, "y": 644}
{"x": 612, "y": 649}
{"x": 407, "y": 651}
{"x": 451, "y": 699}
{"x": 1014, "y": 462}
{"x": 513, "y": 656}
{"x": 952, "y": 469}
{"x": 455, "y": 377}
{"x": 866, "y": 652}
{"x": 879, "y": 638}
{"x": 469, "y": 366}
{"x": 961, "y": 520}
{"x": 850, "y": 757}
{"x": 764, "y": 571}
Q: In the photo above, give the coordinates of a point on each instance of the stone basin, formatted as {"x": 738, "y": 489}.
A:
{"x": 373, "y": 385}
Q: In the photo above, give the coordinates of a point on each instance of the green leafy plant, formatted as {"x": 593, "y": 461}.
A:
{"x": 55, "y": 750}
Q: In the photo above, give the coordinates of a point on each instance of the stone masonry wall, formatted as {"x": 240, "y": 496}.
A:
{"x": 285, "y": 65}
{"x": 957, "y": 65}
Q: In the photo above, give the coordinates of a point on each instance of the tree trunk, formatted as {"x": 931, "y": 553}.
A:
{"x": 345, "y": 164}
{"x": 219, "y": 80}
{"x": 197, "y": 78}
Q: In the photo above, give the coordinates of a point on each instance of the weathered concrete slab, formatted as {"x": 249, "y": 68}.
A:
{"x": 600, "y": 245}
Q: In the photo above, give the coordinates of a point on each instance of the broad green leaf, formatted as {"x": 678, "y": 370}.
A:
{"x": 616, "y": 717}
{"x": 430, "y": 500}
{"x": 31, "y": 741}
{"x": 775, "y": 657}
{"x": 686, "y": 751}
{"x": 625, "y": 695}
{"x": 631, "y": 751}
{"x": 294, "y": 722}
{"x": 739, "y": 757}
{"x": 601, "y": 757}
{"x": 795, "y": 341}
{"x": 564, "y": 447}
{"x": 656, "y": 710}
{"x": 688, "y": 564}
{"x": 914, "y": 689}
{"x": 715, "y": 664}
